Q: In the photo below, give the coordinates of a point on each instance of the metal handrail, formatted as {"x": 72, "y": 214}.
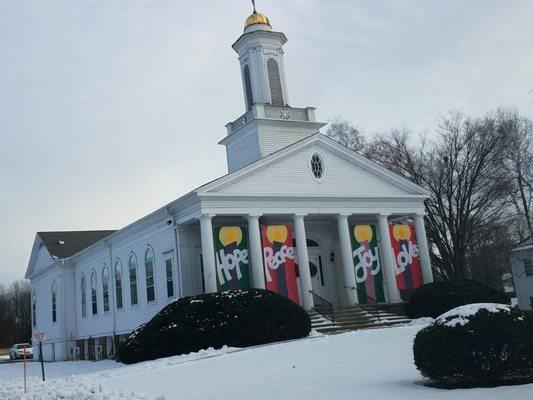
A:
{"x": 373, "y": 311}
{"x": 323, "y": 307}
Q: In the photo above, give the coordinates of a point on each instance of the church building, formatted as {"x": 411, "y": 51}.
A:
{"x": 297, "y": 213}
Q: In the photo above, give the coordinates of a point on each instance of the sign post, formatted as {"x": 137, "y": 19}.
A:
{"x": 24, "y": 353}
{"x": 39, "y": 337}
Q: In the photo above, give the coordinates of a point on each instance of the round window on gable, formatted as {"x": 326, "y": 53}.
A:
{"x": 317, "y": 166}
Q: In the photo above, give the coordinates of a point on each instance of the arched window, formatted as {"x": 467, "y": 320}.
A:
{"x": 248, "y": 87}
{"x": 94, "y": 297}
{"x": 118, "y": 284}
{"x": 83, "y": 287}
{"x": 149, "y": 269}
{"x": 133, "y": 280}
{"x": 54, "y": 302}
{"x": 274, "y": 81}
{"x": 105, "y": 288}
{"x": 34, "y": 310}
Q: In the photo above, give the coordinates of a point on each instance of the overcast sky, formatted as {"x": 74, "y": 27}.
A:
{"x": 110, "y": 109}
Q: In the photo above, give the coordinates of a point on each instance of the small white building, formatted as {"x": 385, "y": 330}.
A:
{"x": 522, "y": 270}
{"x": 291, "y": 197}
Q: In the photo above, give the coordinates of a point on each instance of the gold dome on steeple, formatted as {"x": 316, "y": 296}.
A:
{"x": 256, "y": 18}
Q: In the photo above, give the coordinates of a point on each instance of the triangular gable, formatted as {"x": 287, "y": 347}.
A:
{"x": 287, "y": 173}
{"x": 40, "y": 257}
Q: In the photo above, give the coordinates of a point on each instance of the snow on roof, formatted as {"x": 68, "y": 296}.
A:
{"x": 459, "y": 315}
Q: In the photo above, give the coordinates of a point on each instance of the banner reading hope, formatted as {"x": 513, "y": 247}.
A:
{"x": 406, "y": 262}
{"x": 278, "y": 256}
{"x": 231, "y": 255}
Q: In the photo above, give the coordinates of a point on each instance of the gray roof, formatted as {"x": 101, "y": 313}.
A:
{"x": 65, "y": 244}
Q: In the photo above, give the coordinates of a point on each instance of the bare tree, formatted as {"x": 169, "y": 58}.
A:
{"x": 518, "y": 162}
{"x": 462, "y": 170}
{"x": 344, "y": 132}
{"x": 15, "y": 313}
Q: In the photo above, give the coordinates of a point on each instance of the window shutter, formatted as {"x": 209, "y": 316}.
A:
{"x": 248, "y": 87}
{"x": 274, "y": 81}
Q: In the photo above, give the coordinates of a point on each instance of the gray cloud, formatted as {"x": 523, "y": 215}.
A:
{"x": 110, "y": 109}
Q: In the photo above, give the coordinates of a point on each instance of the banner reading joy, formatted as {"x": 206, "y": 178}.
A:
{"x": 231, "y": 255}
{"x": 278, "y": 256}
{"x": 368, "y": 274}
{"x": 406, "y": 262}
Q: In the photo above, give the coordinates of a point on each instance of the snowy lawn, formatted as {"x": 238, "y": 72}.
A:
{"x": 371, "y": 364}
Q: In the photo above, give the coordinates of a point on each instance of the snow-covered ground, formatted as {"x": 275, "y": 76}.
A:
{"x": 371, "y": 364}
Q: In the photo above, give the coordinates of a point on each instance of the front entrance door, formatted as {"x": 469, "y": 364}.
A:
{"x": 317, "y": 266}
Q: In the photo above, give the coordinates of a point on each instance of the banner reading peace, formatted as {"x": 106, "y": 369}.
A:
{"x": 406, "y": 262}
{"x": 278, "y": 256}
{"x": 231, "y": 255}
{"x": 368, "y": 274}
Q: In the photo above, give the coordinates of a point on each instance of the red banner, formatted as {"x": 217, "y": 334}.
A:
{"x": 406, "y": 262}
{"x": 278, "y": 258}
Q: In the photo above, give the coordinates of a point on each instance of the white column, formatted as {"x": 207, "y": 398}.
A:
{"x": 423, "y": 249}
{"x": 347, "y": 260}
{"x": 208, "y": 253}
{"x": 387, "y": 259}
{"x": 256, "y": 256}
{"x": 303, "y": 262}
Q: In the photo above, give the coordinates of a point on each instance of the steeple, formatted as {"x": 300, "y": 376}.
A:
{"x": 260, "y": 53}
{"x": 269, "y": 123}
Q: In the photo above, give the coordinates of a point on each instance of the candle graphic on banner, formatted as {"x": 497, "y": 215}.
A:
{"x": 407, "y": 265}
{"x": 368, "y": 273}
{"x": 278, "y": 252}
{"x": 231, "y": 254}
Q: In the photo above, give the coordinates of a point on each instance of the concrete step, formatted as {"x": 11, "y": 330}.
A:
{"x": 354, "y": 318}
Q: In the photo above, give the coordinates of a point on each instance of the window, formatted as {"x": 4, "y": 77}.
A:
{"x": 274, "y": 80}
{"x": 149, "y": 270}
{"x": 317, "y": 166}
{"x": 34, "y": 311}
{"x": 248, "y": 87}
{"x": 170, "y": 277}
{"x": 118, "y": 284}
{"x": 134, "y": 298}
{"x": 528, "y": 266}
{"x": 83, "y": 287}
{"x": 94, "y": 298}
{"x": 105, "y": 288}
{"x": 54, "y": 302}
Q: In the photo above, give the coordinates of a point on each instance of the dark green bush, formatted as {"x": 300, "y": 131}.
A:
{"x": 489, "y": 348}
{"x": 239, "y": 318}
{"x": 434, "y": 299}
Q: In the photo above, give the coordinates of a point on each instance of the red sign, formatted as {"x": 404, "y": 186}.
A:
{"x": 278, "y": 258}
{"x": 406, "y": 262}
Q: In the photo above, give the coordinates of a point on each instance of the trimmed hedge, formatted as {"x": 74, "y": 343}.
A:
{"x": 434, "y": 299}
{"x": 239, "y": 318}
{"x": 492, "y": 346}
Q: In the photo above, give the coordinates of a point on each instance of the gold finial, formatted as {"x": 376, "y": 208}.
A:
{"x": 256, "y": 18}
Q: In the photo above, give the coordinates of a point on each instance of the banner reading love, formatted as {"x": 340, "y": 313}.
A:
{"x": 406, "y": 262}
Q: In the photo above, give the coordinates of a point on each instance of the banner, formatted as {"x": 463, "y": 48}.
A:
{"x": 278, "y": 258}
{"x": 406, "y": 262}
{"x": 231, "y": 255}
{"x": 368, "y": 274}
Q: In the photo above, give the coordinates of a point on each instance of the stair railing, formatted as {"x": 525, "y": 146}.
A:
{"x": 369, "y": 309}
{"x": 323, "y": 307}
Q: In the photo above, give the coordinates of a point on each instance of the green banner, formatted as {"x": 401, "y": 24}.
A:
{"x": 231, "y": 255}
{"x": 368, "y": 274}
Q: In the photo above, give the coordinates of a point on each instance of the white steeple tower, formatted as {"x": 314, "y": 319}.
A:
{"x": 269, "y": 123}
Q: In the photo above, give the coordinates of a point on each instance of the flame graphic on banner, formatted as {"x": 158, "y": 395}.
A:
{"x": 401, "y": 232}
{"x": 277, "y": 233}
{"x": 363, "y": 233}
{"x": 230, "y": 234}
